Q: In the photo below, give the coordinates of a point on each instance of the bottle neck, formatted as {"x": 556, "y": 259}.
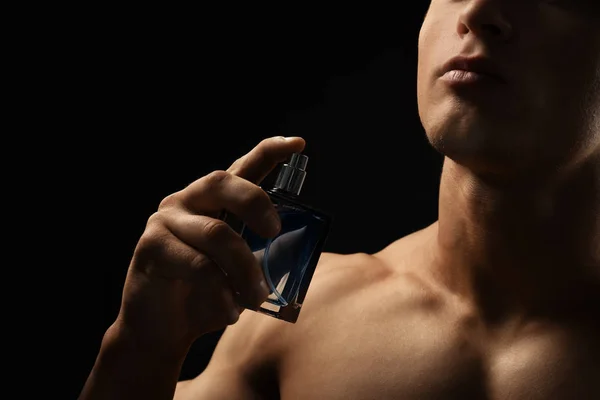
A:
{"x": 283, "y": 192}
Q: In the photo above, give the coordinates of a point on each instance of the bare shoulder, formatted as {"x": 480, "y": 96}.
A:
{"x": 248, "y": 354}
{"x": 336, "y": 277}
{"x": 256, "y": 339}
{"x": 254, "y": 347}
{"x": 339, "y": 278}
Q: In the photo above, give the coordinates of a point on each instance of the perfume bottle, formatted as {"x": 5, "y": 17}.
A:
{"x": 288, "y": 260}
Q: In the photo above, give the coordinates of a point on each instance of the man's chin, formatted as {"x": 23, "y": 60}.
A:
{"x": 482, "y": 157}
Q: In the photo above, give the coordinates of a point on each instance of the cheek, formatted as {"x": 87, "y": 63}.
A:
{"x": 559, "y": 70}
{"x": 578, "y": 79}
{"x": 425, "y": 61}
{"x": 433, "y": 50}
{"x": 436, "y": 45}
{"x": 428, "y": 39}
{"x": 422, "y": 79}
{"x": 421, "y": 63}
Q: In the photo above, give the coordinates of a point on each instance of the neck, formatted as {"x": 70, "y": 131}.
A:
{"x": 519, "y": 248}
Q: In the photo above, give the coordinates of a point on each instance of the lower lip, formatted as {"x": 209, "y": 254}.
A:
{"x": 460, "y": 77}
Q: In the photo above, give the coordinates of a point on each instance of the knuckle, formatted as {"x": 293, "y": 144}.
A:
{"x": 263, "y": 150}
{"x": 155, "y": 221}
{"x": 153, "y": 242}
{"x": 266, "y": 146}
{"x": 216, "y": 178}
{"x": 271, "y": 140}
{"x": 155, "y": 230}
{"x": 168, "y": 201}
{"x": 254, "y": 197}
{"x": 199, "y": 263}
{"x": 215, "y": 230}
{"x": 239, "y": 162}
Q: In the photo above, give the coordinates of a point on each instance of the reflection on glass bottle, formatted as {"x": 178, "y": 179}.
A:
{"x": 289, "y": 259}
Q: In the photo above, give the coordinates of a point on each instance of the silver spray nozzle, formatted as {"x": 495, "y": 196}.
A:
{"x": 292, "y": 174}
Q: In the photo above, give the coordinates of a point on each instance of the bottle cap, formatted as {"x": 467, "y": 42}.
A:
{"x": 292, "y": 174}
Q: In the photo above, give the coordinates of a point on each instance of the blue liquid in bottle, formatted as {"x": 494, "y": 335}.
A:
{"x": 289, "y": 260}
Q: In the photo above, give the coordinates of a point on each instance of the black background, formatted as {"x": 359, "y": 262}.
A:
{"x": 157, "y": 98}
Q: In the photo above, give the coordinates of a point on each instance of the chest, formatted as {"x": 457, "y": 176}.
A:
{"x": 422, "y": 356}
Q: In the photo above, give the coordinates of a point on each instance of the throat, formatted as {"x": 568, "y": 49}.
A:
{"x": 520, "y": 249}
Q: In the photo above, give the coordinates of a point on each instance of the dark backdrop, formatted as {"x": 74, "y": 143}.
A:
{"x": 160, "y": 100}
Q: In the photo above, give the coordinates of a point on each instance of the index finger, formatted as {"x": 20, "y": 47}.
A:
{"x": 255, "y": 165}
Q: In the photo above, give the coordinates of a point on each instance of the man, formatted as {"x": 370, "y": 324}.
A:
{"x": 498, "y": 299}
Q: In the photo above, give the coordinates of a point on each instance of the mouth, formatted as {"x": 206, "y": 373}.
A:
{"x": 469, "y": 70}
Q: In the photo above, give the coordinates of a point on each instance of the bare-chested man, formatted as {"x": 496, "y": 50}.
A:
{"x": 498, "y": 299}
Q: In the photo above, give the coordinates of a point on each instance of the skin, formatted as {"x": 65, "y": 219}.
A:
{"x": 495, "y": 300}
{"x": 521, "y": 179}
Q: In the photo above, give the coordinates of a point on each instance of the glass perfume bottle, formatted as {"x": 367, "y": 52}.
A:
{"x": 288, "y": 260}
